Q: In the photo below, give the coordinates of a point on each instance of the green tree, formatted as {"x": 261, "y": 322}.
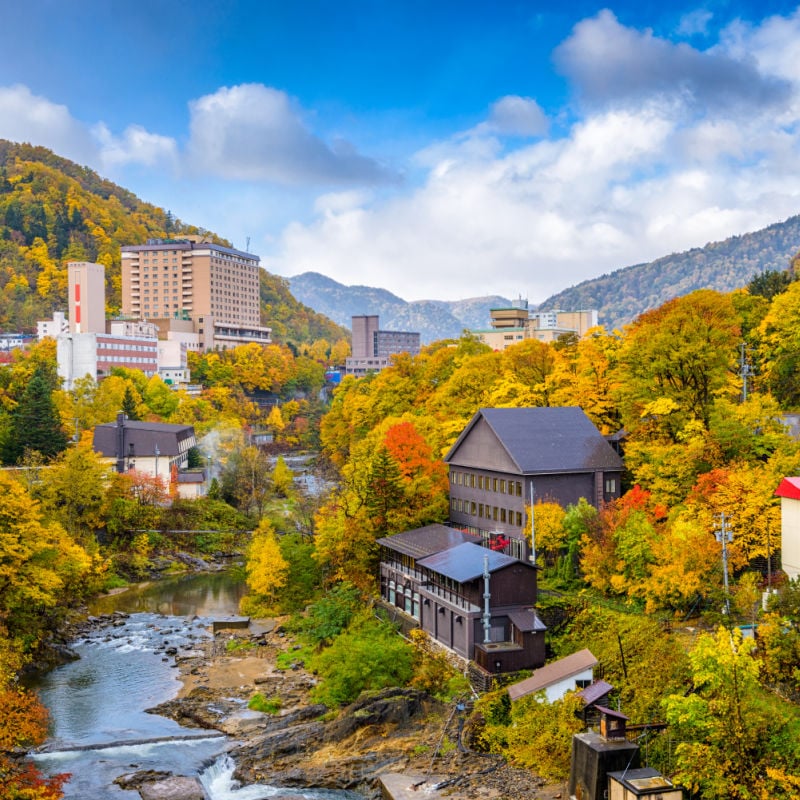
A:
{"x": 385, "y": 493}
{"x": 36, "y": 424}
{"x": 130, "y": 405}
{"x": 729, "y": 737}
{"x": 368, "y": 655}
{"x": 282, "y": 478}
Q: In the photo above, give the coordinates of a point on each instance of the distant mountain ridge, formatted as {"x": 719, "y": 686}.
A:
{"x": 433, "y": 319}
{"x": 622, "y": 295}
{"x": 619, "y": 297}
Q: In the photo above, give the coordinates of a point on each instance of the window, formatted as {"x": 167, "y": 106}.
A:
{"x": 494, "y": 484}
{"x": 502, "y": 486}
{"x": 519, "y": 519}
{"x": 502, "y": 515}
{"x": 519, "y": 489}
{"x": 480, "y": 481}
{"x": 480, "y": 510}
{"x": 611, "y": 485}
{"x": 473, "y": 509}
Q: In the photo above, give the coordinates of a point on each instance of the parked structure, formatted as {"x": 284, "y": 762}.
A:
{"x": 517, "y": 322}
{"x": 372, "y": 349}
{"x": 216, "y": 288}
{"x": 477, "y": 602}
{"x": 506, "y": 456}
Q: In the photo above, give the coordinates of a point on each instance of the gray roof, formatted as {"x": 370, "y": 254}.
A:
{"x": 546, "y": 440}
{"x": 464, "y": 562}
{"x": 554, "y": 672}
{"x": 144, "y": 436}
{"x": 527, "y": 620}
{"x": 426, "y": 541}
{"x": 591, "y": 694}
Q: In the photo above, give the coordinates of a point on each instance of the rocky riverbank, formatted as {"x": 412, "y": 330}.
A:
{"x": 303, "y": 744}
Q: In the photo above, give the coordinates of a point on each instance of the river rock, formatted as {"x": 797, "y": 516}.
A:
{"x": 174, "y": 788}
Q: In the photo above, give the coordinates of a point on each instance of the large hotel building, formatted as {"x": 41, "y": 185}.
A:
{"x": 215, "y": 287}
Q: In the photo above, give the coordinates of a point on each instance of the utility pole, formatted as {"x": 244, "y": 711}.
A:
{"x": 745, "y": 370}
{"x": 533, "y": 532}
{"x": 724, "y": 535}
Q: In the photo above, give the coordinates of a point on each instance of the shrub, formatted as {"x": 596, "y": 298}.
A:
{"x": 266, "y": 705}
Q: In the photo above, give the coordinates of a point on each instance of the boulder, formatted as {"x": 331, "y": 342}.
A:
{"x": 174, "y": 788}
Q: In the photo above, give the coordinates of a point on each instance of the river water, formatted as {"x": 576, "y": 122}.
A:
{"x": 99, "y": 727}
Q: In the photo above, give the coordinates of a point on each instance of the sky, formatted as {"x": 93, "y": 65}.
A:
{"x": 437, "y": 149}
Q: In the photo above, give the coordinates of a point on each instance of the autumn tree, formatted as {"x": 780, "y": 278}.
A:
{"x": 267, "y": 570}
{"x": 684, "y": 351}
{"x": 732, "y": 743}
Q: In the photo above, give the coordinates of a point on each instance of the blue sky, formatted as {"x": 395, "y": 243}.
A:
{"x": 437, "y": 149}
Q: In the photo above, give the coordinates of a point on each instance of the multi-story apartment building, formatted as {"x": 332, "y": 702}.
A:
{"x": 87, "y": 297}
{"x": 373, "y": 348}
{"x": 215, "y": 287}
{"x": 516, "y": 323}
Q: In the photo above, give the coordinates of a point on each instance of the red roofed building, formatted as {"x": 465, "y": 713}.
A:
{"x": 789, "y": 492}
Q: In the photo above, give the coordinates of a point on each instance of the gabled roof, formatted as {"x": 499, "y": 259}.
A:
{"x": 790, "y": 488}
{"x": 546, "y": 440}
{"x": 144, "y": 436}
{"x": 426, "y": 541}
{"x": 554, "y": 672}
{"x": 464, "y": 562}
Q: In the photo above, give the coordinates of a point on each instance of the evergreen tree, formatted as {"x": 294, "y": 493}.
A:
{"x": 129, "y": 404}
{"x": 385, "y": 491}
{"x": 36, "y": 425}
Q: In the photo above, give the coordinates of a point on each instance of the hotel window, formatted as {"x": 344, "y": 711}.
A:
{"x": 502, "y": 515}
{"x": 480, "y": 510}
{"x": 494, "y": 484}
{"x": 519, "y": 489}
{"x": 611, "y": 485}
{"x": 502, "y": 486}
{"x": 473, "y": 509}
{"x": 472, "y": 481}
{"x": 519, "y": 519}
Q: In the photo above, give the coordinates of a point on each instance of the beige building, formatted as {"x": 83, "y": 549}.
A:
{"x": 517, "y": 323}
{"x": 87, "y": 297}
{"x": 188, "y": 279}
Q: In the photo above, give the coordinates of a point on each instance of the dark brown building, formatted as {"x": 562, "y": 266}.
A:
{"x": 506, "y": 456}
{"x": 441, "y": 577}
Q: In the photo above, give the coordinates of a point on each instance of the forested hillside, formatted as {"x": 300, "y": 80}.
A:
{"x": 625, "y": 293}
{"x": 53, "y": 211}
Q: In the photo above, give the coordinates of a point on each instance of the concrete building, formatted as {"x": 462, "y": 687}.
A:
{"x": 517, "y": 323}
{"x": 52, "y": 328}
{"x": 87, "y": 297}
{"x": 189, "y": 279}
{"x": 373, "y": 348}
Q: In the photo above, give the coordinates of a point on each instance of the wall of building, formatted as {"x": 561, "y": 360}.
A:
{"x": 790, "y": 536}
{"x": 86, "y": 297}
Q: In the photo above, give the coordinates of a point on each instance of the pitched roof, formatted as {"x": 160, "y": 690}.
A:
{"x": 546, "y": 440}
{"x": 464, "y": 562}
{"x": 790, "y": 488}
{"x": 144, "y": 436}
{"x": 591, "y": 694}
{"x": 426, "y": 541}
{"x": 527, "y": 620}
{"x": 552, "y": 673}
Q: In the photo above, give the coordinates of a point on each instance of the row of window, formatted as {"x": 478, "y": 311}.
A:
{"x": 137, "y": 348}
{"x": 128, "y": 360}
{"x": 494, "y": 513}
{"x": 486, "y": 482}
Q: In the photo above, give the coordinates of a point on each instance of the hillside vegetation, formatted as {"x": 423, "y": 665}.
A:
{"x": 53, "y": 211}
{"x": 622, "y": 295}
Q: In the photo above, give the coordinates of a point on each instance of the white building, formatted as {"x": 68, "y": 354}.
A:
{"x": 52, "y": 328}
{"x": 789, "y": 492}
{"x": 555, "y": 679}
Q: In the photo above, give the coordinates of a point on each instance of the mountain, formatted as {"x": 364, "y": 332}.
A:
{"x": 433, "y": 319}
{"x": 53, "y": 211}
{"x": 622, "y": 295}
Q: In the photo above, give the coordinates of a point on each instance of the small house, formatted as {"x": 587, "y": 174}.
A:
{"x": 558, "y": 677}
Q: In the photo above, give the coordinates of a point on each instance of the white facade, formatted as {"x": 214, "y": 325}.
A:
{"x": 790, "y": 536}
{"x": 87, "y": 297}
{"x": 51, "y": 328}
{"x": 96, "y": 354}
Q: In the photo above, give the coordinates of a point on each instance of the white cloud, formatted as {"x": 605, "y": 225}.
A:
{"x": 513, "y": 115}
{"x": 135, "y": 146}
{"x": 253, "y": 132}
{"x": 695, "y": 22}
{"x": 610, "y": 63}
{"x": 26, "y": 117}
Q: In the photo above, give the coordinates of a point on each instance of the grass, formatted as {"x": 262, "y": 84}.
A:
{"x": 266, "y": 705}
{"x": 238, "y": 645}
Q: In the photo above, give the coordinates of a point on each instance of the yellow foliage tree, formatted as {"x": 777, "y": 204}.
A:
{"x": 267, "y": 569}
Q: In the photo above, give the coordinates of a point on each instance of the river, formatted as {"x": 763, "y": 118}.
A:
{"x": 99, "y": 727}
